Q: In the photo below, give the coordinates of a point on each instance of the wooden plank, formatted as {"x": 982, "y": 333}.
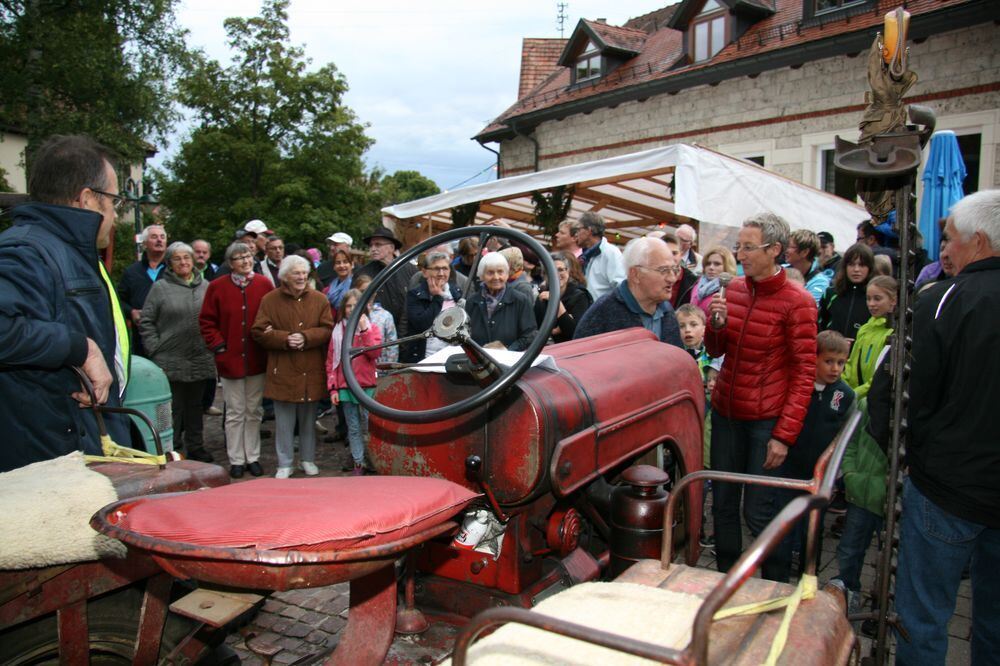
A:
{"x": 630, "y": 176}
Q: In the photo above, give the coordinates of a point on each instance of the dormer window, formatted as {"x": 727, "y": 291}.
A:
{"x": 588, "y": 66}
{"x": 708, "y": 31}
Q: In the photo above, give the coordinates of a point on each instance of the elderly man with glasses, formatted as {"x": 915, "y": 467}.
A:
{"x": 58, "y": 310}
{"x": 766, "y": 327}
{"x": 642, "y": 299}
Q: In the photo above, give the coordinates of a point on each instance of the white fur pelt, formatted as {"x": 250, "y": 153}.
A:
{"x": 46, "y": 508}
{"x": 645, "y": 613}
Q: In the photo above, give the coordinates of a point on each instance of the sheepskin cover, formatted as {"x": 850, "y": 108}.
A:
{"x": 47, "y": 508}
{"x": 642, "y": 612}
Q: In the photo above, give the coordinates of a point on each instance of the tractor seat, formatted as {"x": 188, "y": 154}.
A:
{"x": 282, "y": 533}
{"x": 649, "y": 604}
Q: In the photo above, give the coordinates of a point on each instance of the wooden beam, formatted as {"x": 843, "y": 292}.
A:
{"x": 496, "y": 209}
{"x": 644, "y": 193}
{"x": 626, "y": 205}
{"x": 632, "y": 176}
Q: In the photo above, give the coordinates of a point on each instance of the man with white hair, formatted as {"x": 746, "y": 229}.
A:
{"x": 602, "y": 262}
{"x": 138, "y": 279}
{"x": 951, "y": 498}
{"x": 686, "y": 236}
{"x": 642, "y": 299}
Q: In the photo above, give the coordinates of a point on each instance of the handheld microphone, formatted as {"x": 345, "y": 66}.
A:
{"x": 724, "y": 280}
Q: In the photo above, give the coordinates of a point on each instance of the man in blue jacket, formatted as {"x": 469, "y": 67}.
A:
{"x": 642, "y": 298}
{"x": 58, "y": 309}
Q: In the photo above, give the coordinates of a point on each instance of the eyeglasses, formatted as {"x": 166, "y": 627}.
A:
{"x": 242, "y": 257}
{"x": 664, "y": 270}
{"x": 749, "y": 248}
{"x": 118, "y": 202}
{"x": 439, "y": 269}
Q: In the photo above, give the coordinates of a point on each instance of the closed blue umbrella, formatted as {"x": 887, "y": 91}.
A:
{"x": 943, "y": 176}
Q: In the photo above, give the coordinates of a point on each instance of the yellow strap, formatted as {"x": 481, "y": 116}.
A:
{"x": 114, "y": 453}
{"x": 806, "y": 589}
{"x": 122, "y": 349}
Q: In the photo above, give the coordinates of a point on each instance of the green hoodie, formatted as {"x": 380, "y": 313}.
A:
{"x": 864, "y": 355}
{"x": 865, "y": 467}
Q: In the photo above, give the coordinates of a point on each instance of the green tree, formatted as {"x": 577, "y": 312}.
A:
{"x": 102, "y": 67}
{"x": 404, "y": 186}
{"x": 273, "y": 140}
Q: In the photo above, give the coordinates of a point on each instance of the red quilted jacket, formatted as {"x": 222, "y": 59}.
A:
{"x": 770, "y": 345}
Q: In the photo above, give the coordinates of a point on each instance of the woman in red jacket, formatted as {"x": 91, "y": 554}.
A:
{"x": 227, "y": 314}
{"x": 766, "y": 327}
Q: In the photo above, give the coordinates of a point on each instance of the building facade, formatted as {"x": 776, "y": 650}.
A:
{"x": 773, "y": 81}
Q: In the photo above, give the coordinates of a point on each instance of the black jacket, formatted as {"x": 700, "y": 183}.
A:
{"x": 512, "y": 323}
{"x": 844, "y": 313}
{"x": 688, "y": 281}
{"x": 576, "y": 300}
{"x": 134, "y": 285}
{"x": 392, "y": 295}
{"x": 421, "y": 310}
{"x": 52, "y": 298}
{"x": 953, "y": 451}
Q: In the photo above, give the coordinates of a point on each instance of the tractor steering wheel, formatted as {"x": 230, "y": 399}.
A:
{"x": 449, "y": 326}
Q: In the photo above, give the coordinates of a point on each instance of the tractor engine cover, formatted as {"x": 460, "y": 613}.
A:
{"x": 613, "y": 397}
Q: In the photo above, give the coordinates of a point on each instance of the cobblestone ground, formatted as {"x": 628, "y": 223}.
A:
{"x": 306, "y": 623}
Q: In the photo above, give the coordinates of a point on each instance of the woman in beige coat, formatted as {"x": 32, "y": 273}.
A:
{"x": 294, "y": 324}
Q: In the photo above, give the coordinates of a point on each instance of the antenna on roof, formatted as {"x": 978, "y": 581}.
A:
{"x": 561, "y": 18}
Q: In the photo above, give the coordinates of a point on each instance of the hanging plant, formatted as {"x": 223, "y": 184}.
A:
{"x": 551, "y": 209}
{"x": 464, "y": 215}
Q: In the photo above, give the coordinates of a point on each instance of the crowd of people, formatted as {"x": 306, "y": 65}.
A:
{"x": 798, "y": 337}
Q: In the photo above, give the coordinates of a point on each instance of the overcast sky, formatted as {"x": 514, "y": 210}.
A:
{"x": 426, "y": 76}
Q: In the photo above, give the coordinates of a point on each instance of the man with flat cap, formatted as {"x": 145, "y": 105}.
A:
{"x": 383, "y": 247}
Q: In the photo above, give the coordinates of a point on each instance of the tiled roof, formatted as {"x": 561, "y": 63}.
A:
{"x": 663, "y": 49}
{"x": 654, "y": 20}
{"x": 538, "y": 60}
{"x": 625, "y": 39}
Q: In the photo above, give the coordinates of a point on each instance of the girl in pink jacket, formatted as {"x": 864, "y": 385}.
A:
{"x": 366, "y": 335}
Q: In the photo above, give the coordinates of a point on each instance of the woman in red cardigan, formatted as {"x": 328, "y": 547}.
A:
{"x": 227, "y": 314}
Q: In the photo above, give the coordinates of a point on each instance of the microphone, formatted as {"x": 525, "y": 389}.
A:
{"x": 724, "y": 280}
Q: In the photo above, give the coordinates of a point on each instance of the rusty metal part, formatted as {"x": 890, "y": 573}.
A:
{"x": 637, "y": 516}
{"x": 820, "y": 491}
{"x": 215, "y": 607}
{"x": 497, "y": 616}
{"x": 562, "y": 532}
{"x": 409, "y": 619}
{"x": 152, "y": 617}
{"x": 370, "y": 620}
{"x": 474, "y": 468}
{"x": 257, "y": 568}
{"x": 74, "y": 635}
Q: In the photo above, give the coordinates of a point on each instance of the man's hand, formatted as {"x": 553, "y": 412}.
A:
{"x": 335, "y": 396}
{"x": 717, "y": 312}
{"x": 296, "y": 341}
{"x": 97, "y": 372}
{"x": 136, "y": 316}
{"x": 776, "y": 454}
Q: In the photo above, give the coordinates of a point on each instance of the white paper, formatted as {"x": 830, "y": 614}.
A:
{"x": 501, "y": 356}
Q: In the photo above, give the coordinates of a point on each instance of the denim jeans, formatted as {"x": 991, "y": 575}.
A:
{"x": 739, "y": 446}
{"x": 934, "y": 548}
{"x": 357, "y": 426}
{"x": 859, "y": 526}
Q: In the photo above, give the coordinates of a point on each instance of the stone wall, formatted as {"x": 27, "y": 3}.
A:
{"x": 788, "y": 116}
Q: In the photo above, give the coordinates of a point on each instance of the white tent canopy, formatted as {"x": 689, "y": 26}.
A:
{"x": 634, "y": 193}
